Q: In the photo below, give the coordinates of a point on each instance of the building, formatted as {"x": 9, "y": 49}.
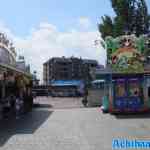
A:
{"x": 35, "y": 80}
{"x": 62, "y": 68}
{"x": 22, "y": 66}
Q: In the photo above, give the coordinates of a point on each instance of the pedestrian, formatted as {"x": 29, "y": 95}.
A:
{"x": 85, "y": 101}
{"x": 18, "y": 106}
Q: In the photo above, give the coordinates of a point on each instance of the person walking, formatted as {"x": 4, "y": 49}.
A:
{"x": 18, "y": 107}
{"x": 85, "y": 101}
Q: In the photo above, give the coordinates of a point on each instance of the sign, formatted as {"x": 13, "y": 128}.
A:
{"x": 125, "y": 54}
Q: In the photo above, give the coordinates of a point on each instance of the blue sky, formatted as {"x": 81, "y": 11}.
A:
{"x": 42, "y": 29}
{"x": 22, "y": 15}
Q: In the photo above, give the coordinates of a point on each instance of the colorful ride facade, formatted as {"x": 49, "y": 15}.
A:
{"x": 126, "y": 81}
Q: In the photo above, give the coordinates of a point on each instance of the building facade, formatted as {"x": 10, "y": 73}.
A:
{"x": 62, "y": 68}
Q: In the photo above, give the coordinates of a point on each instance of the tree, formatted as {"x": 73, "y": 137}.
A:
{"x": 131, "y": 17}
{"x": 106, "y": 28}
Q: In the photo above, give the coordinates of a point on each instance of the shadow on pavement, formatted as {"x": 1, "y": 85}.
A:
{"x": 27, "y": 124}
{"x": 133, "y": 116}
{"x": 37, "y": 105}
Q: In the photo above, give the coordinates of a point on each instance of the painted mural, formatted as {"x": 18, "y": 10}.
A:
{"x": 126, "y": 53}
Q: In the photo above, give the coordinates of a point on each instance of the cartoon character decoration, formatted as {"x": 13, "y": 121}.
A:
{"x": 134, "y": 89}
{"x": 120, "y": 90}
{"x": 126, "y": 53}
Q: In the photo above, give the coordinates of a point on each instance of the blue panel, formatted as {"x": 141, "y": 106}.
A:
{"x": 66, "y": 83}
{"x": 121, "y": 103}
{"x": 135, "y": 103}
{"x": 131, "y": 103}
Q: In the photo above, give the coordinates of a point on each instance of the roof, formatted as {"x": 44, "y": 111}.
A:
{"x": 9, "y": 67}
{"x": 59, "y": 59}
{"x": 98, "y": 81}
{"x": 70, "y": 59}
{"x": 66, "y": 83}
{"x": 109, "y": 71}
{"x": 89, "y": 61}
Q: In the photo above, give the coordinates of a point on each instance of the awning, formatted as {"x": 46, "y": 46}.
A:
{"x": 5, "y": 66}
{"x": 66, "y": 83}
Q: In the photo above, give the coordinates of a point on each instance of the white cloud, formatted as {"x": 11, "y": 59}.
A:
{"x": 84, "y": 22}
{"x": 47, "y": 41}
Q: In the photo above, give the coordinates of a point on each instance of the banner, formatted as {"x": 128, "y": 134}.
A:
{"x": 125, "y": 54}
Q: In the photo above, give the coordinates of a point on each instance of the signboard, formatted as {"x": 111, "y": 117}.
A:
{"x": 125, "y": 54}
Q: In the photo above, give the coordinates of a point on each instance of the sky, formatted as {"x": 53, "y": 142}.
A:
{"x": 41, "y": 29}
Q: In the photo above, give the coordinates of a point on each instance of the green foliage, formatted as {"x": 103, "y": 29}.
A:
{"x": 112, "y": 46}
{"x": 147, "y": 48}
{"x": 106, "y": 28}
{"x": 131, "y": 16}
{"x": 118, "y": 27}
{"x": 140, "y": 44}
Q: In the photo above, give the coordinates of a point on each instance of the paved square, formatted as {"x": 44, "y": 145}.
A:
{"x": 70, "y": 129}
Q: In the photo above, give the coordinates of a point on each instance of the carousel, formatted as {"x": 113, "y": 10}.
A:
{"x": 15, "y": 83}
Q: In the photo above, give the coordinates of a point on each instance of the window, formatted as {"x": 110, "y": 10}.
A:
{"x": 98, "y": 85}
{"x": 120, "y": 89}
{"x": 134, "y": 89}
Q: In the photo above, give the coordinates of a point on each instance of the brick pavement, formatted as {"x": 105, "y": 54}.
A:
{"x": 59, "y": 102}
{"x": 70, "y": 129}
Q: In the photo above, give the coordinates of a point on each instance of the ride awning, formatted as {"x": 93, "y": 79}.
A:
{"x": 8, "y": 67}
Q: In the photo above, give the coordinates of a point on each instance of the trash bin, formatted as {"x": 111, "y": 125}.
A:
{"x": 105, "y": 104}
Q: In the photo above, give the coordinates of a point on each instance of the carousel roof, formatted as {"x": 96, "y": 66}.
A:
{"x": 9, "y": 67}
